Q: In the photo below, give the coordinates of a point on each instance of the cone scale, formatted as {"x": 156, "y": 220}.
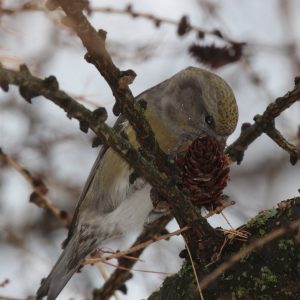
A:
{"x": 204, "y": 172}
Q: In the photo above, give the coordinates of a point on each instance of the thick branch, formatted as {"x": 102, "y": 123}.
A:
{"x": 266, "y": 267}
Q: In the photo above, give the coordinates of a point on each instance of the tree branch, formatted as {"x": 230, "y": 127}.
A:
{"x": 259, "y": 243}
{"x": 265, "y": 124}
{"x": 40, "y": 190}
{"x": 97, "y": 54}
{"x": 183, "y": 25}
{"x": 265, "y": 267}
{"x": 31, "y": 86}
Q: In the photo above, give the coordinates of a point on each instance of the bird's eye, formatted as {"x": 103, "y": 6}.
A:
{"x": 209, "y": 120}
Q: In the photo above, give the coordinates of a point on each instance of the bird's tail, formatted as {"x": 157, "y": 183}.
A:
{"x": 67, "y": 264}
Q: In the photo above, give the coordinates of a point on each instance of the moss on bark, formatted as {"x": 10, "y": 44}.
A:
{"x": 270, "y": 272}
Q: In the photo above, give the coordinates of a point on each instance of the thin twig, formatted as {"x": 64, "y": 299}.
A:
{"x": 233, "y": 233}
{"x": 39, "y": 188}
{"x": 136, "y": 270}
{"x": 225, "y": 218}
{"x": 129, "y": 11}
{"x": 277, "y": 137}
{"x": 10, "y": 298}
{"x": 119, "y": 277}
{"x": 120, "y": 254}
{"x": 105, "y": 276}
{"x": 194, "y": 271}
{"x": 36, "y": 183}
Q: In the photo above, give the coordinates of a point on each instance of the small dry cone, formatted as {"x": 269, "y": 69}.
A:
{"x": 204, "y": 172}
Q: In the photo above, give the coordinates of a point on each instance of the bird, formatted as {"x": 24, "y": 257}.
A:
{"x": 189, "y": 104}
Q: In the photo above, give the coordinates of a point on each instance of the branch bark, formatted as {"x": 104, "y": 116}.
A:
{"x": 265, "y": 123}
{"x": 266, "y": 267}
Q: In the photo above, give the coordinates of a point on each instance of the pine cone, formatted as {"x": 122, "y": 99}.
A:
{"x": 204, "y": 172}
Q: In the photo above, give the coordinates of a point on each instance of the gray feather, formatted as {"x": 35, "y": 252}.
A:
{"x": 118, "y": 127}
{"x": 67, "y": 264}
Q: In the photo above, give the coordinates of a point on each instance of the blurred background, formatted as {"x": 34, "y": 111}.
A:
{"x": 254, "y": 45}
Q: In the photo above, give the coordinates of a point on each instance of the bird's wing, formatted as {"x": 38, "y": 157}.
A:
{"x": 119, "y": 126}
